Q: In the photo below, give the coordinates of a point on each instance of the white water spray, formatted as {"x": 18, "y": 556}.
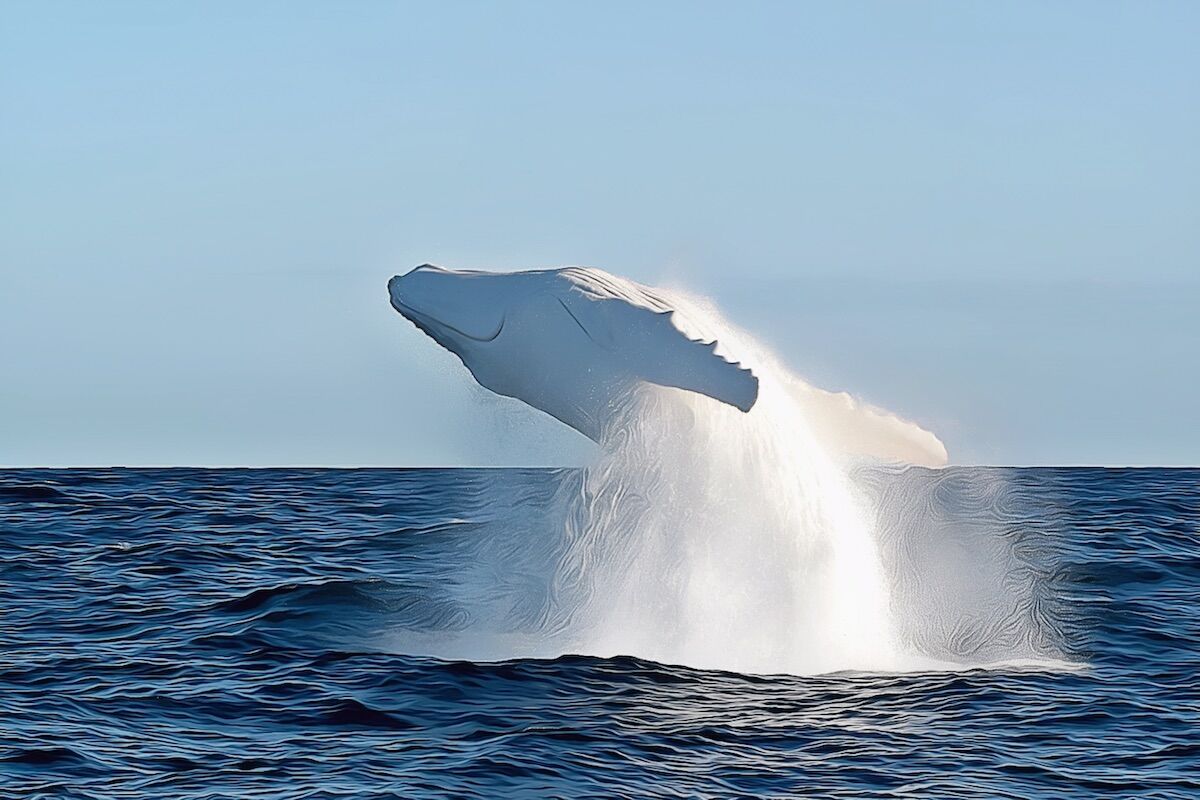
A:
{"x": 713, "y": 538}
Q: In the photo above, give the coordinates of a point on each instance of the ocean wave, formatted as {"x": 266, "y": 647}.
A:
{"x": 301, "y": 639}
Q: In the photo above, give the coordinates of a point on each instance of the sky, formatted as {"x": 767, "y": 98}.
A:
{"x": 982, "y": 216}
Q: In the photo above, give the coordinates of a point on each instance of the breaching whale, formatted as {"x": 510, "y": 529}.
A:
{"x": 571, "y": 342}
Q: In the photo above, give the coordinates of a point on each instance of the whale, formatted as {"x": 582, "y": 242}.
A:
{"x": 573, "y": 342}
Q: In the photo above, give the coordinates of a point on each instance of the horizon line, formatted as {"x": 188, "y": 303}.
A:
{"x": 1041, "y": 465}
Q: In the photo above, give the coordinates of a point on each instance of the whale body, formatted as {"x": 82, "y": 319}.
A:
{"x": 571, "y": 342}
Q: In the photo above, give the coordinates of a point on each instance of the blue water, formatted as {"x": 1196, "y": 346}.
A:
{"x": 261, "y": 633}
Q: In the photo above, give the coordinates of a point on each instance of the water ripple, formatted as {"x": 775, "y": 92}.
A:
{"x": 200, "y": 633}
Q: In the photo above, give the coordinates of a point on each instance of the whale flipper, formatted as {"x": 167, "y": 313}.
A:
{"x": 657, "y": 350}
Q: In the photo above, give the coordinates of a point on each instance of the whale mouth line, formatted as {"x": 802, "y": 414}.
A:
{"x": 424, "y": 321}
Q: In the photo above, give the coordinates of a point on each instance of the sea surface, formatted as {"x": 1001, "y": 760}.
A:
{"x": 190, "y": 633}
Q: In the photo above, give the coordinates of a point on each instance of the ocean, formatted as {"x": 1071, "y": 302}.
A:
{"x": 322, "y": 633}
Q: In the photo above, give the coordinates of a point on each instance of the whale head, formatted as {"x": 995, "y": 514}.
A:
{"x": 459, "y": 309}
{"x": 571, "y": 341}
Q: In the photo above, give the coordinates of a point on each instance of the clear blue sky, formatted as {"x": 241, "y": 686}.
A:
{"x": 985, "y": 216}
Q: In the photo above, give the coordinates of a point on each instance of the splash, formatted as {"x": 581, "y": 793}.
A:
{"x": 713, "y": 538}
{"x": 750, "y": 542}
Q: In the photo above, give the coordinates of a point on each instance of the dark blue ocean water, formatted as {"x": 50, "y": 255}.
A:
{"x": 234, "y": 633}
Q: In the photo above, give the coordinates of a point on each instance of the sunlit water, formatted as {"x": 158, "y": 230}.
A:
{"x": 284, "y": 633}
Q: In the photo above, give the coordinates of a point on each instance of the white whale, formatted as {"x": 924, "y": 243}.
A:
{"x": 570, "y": 342}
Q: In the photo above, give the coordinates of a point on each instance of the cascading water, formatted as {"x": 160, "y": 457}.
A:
{"x": 723, "y": 540}
{"x": 705, "y": 536}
